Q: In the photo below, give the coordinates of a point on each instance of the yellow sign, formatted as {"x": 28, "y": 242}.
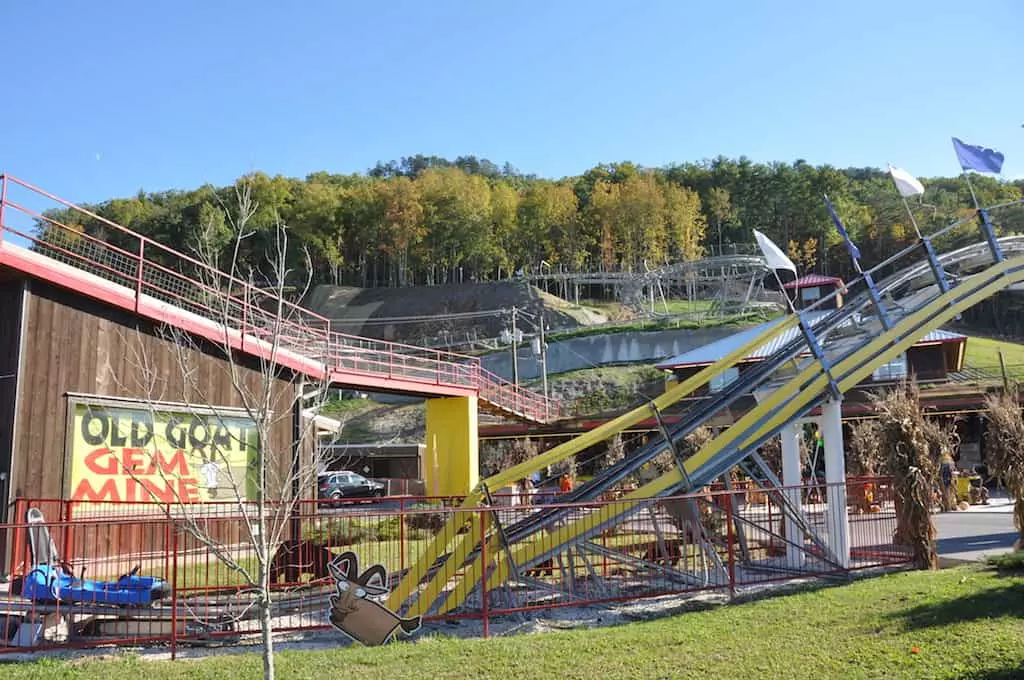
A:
{"x": 140, "y": 455}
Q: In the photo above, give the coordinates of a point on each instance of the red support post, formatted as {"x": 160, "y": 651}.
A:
{"x": 3, "y": 202}
{"x": 483, "y": 574}
{"x": 245, "y": 318}
{"x": 66, "y": 520}
{"x": 730, "y": 538}
{"x": 401, "y": 533}
{"x": 168, "y": 555}
{"x": 138, "y": 274}
{"x": 327, "y": 351}
{"x": 174, "y": 591}
{"x": 19, "y": 551}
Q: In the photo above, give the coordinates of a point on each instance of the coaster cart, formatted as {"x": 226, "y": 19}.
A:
{"x": 57, "y": 606}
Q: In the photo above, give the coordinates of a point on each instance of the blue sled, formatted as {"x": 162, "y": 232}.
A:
{"x": 50, "y": 584}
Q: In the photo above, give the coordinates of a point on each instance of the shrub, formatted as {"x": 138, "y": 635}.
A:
{"x": 1013, "y": 561}
{"x": 389, "y": 529}
{"x": 425, "y": 521}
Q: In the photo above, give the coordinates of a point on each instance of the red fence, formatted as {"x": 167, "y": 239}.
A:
{"x": 151, "y": 278}
{"x": 716, "y": 540}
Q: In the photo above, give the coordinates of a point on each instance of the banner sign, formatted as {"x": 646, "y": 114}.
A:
{"x": 137, "y": 454}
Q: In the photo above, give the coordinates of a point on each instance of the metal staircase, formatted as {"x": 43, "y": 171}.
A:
{"x": 119, "y": 266}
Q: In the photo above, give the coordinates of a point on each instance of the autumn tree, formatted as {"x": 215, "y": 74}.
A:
{"x": 719, "y": 210}
{"x": 685, "y": 223}
{"x": 456, "y": 215}
{"x": 504, "y": 228}
{"x": 548, "y": 225}
{"x": 427, "y": 219}
{"x": 402, "y": 226}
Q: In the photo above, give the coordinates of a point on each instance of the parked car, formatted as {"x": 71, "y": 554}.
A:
{"x": 336, "y": 486}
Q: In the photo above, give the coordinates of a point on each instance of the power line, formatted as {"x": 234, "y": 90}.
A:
{"x": 373, "y": 321}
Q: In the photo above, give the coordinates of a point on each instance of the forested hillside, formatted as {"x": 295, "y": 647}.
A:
{"x": 428, "y": 220}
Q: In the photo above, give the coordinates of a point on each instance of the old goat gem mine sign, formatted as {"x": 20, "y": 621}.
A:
{"x": 137, "y": 454}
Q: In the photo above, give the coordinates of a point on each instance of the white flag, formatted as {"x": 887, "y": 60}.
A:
{"x": 775, "y": 258}
{"x": 906, "y": 183}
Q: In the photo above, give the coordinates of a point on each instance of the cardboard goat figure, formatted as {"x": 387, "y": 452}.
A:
{"x": 353, "y": 613}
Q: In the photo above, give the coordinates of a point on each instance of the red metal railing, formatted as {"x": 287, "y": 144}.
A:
{"x": 151, "y": 278}
{"x": 734, "y": 540}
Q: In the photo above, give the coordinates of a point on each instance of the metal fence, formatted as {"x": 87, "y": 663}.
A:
{"x": 73, "y": 564}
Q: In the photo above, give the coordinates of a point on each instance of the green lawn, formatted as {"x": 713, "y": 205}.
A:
{"x": 684, "y": 306}
{"x": 984, "y": 353}
{"x": 958, "y": 623}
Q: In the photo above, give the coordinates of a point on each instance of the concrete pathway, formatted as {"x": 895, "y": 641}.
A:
{"x": 971, "y": 535}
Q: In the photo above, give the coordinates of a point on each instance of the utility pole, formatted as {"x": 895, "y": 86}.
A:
{"x": 515, "y": 350}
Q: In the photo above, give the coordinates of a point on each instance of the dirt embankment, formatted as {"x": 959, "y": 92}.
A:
{"x": 598, "y": 390}
{"x": 433, "y": 315}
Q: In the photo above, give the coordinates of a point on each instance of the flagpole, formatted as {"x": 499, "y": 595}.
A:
{"x": 782, "y": 289}
{"x": 974, "y": 197}
{"x": 910, "y": 214}
{"x": 906, "y": 204}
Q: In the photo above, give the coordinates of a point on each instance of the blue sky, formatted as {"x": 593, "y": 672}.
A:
{"x": 102, "y": 99}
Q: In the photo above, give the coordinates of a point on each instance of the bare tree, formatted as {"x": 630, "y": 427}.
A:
{"x": 1004, "y": 451}
{"x": 248, "y": 307}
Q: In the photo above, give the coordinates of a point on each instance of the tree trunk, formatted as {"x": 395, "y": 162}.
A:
{"x": 266, "y": 625}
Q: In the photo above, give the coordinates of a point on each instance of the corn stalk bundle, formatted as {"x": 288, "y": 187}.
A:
{"x": 1004, "y": 449}
{"x": 867, "y": 457}
{"x": 905, "y": 438}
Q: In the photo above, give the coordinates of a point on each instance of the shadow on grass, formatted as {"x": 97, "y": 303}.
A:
{"x": 1008, "y": 673}
{"x": 1007, "y": 600}
{"x": 715, "y": 599}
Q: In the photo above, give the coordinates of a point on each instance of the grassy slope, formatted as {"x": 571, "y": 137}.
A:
{"x": 963, "y": 623}
{"x": 984, "y": 353}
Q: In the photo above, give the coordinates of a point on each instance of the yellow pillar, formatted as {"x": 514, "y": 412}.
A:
{"x": 452, "y": 464}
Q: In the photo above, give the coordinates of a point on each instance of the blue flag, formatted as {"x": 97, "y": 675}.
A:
{"x": 978, "y": 158}
{"x": 854, "y": 251}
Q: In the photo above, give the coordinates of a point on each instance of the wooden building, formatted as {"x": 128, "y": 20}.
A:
{"x": 808, "y": 290}
{"x": 87, "y": 387}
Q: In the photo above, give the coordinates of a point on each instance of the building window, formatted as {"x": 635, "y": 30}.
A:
{"x": 893, "y": 370}
{"x": 724, "y": 379}
{"x": 810, "y": 294}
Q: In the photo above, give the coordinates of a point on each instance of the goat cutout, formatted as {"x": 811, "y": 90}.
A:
{"x": 352, "y": 613}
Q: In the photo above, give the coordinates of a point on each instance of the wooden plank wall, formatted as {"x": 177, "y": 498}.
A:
{"x": 76, "y": 344}
{"x": 10, "y": 330}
